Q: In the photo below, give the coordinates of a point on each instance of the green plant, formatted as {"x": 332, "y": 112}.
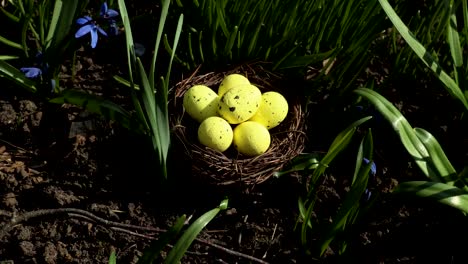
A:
{"x": 291, "y": 34}
{"x": 454, "y": 81}
{"x": 46, "y": 40}
{"x": 151, "y": 98}
{"x": 445, "y": 185}
{"x": 183, "y": 242}
{"x": 317, "y": 236}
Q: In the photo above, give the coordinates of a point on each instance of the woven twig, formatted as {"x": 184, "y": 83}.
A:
{"x": 287, "y": 139}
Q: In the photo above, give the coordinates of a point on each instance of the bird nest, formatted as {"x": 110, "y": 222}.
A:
{"x": 229, "y": 167}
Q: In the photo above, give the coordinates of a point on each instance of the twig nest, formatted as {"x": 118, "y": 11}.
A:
{"x": 258, "y": 127}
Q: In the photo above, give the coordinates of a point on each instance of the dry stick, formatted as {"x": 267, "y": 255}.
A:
{"x": 229, "y": 251}
{"x": 79, "y": 213}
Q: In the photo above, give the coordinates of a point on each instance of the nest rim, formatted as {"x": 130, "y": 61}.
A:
{"x": 230, "y": 167}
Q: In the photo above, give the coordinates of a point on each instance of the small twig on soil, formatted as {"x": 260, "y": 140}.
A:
{"x": 123, "y": 230}
{"x": 72, "y": 212}
{"x": 120, "y": 227}
{"x": 231, "y": 252}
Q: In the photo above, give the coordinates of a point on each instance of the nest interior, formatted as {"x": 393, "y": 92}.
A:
{"x": 229, "y": 167}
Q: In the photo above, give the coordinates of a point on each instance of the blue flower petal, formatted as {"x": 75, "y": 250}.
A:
{"x": 84, "y": 30}
{"x": 52, "y": 85}
{"x": 111, "y": 13}
{"x": 31, "y": 72}
{"x": 83, "y": 20}
{"x": 113, "y": 30}
{"x": 101, "y": 31}
{"x": 373, "y": 166}
{"x": 103, "y": 9}
{"x": 94, "y": 37}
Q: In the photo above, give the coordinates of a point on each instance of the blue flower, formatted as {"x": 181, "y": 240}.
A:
{"x": 89, "y": 26}
{"x": 373, "y": 167}
{"x": 31, "y": 72}
{"x": 107, "y": 13}
{"x": 113, "y": 29}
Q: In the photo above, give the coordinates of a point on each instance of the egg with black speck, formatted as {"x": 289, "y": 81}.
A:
{"x": 272, "y": 111}
{"x": 216, "y": 133}
{"x": 201, "y": 102}
{"x": 240, "y": 103}
{"x": 231, "y": 81}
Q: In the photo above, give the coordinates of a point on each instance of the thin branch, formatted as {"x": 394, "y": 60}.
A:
{"x": 116, "y": 226}
{"x": 230, "y": 251}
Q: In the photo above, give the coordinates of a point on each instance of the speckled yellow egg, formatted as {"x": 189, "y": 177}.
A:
{"x": 251, "y": 138}
{"x": 272, "y": 111}
{"x": 216, "y": 133}
{"x": 231, "y": 81}
{"x": 239, "y": 103}
{"x": 201, "y": 102}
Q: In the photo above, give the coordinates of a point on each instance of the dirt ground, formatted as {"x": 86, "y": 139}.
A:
{"x": 75, "y": 187}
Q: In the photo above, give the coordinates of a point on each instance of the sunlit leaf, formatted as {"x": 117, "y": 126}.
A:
{"x": 436, "y": 191}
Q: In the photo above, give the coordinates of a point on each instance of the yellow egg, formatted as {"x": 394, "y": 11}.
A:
{"x": 251, "y": 138}
{"x": 201, "y": 102}
{"x": 216, "y": 133}
{"x": 239, "y": 103}
{"x": 231, "y": 81}
{"x": 272, "y": 111}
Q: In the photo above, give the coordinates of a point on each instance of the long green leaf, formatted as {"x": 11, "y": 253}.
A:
{"x": 179, "y": 249}
{"x": 437, "y": 156}
{"x": 344, "y": 216}
{"x": 453, "y": 37}
{"x": 302, "y": 61}
{"x": 112, "y": 258}
{"x": 423, "y": 54}
{"x": 61, "y": 22}
{"x": 131, "y": 57}
{"x": 152, "y": 253}
{"x": 10, "y": 43}
{"x": 408, "y": 137}
{"x": 436, "y": 191}
{"x": 162, "y": 21}
{"x": 98, "y": 105}
{"x": 8, "y": 57}
{"x": 338, "y": 145}
{"x": 17, "y": 76}
{"x": 10, "y": 15}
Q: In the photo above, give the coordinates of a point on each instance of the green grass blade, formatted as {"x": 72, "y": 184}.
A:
{"x": 437, "y": 156}
{"x": 302, "y": 61}
{"x": 112, "y": 258}
{"x": 125, "y": 82}
{"x": 453, "y": 37}
{"x": 152, "y": 253}
{"x": 61, "y": 22}
{"x": 436, "y": 191}
{"x": 148, "y": 97}
{"x": 338, "y": 145}
{"x": 162, "y": 21}
{"x": 17, "y": 77}
{"x": 131, "y": 57}
{"x": 345, "y": 215}
{"x": 10, "y": 15}
{"x": 98, "y": 105}
{"x": 8, "y": 57}
{"x": 423, "y": 54}
{"x": 11, "y": 43}
{"x": 179, "y": 249}
{"x": 407, "y": 135}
